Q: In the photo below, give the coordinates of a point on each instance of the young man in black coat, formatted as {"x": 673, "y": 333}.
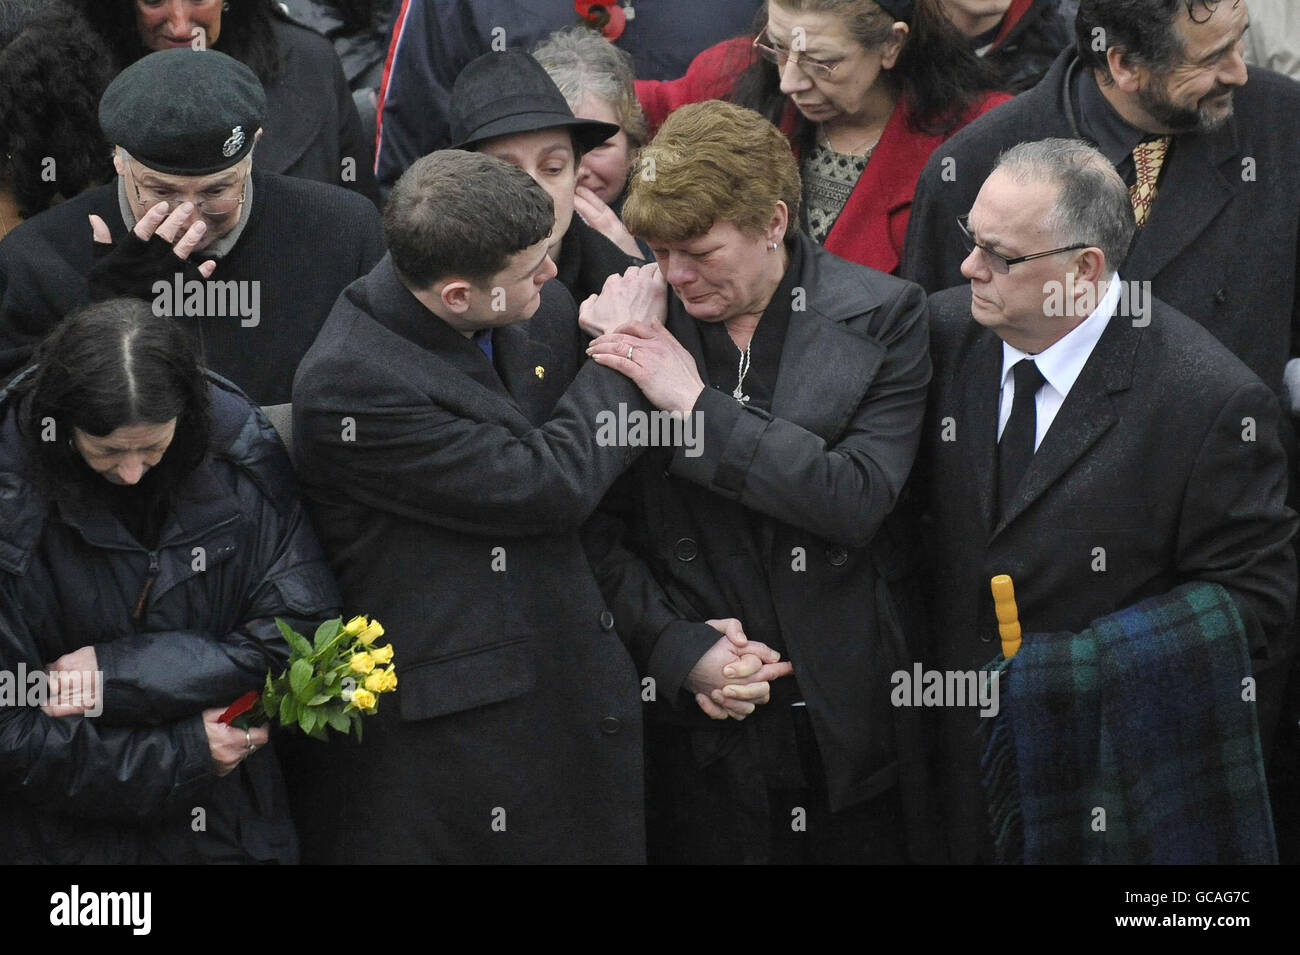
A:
{"x": 252, "y": 271}
{"x": 449, "y": 463}
{"x": 1148, "y": 456}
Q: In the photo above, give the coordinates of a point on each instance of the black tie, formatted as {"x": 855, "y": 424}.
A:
{"x": 1016, "y": 448}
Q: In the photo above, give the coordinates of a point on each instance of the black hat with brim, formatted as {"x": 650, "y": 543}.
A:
{"x": 501, "y": 94}
{"x": 184, "y": 112}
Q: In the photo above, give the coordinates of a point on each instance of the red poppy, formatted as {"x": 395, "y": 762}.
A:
{"x": 240, "y": 707}
{"x": 607, "y": 16}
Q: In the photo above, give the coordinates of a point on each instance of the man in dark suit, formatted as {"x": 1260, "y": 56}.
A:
{"x": 1098, "y": 447}
{"x": 449, "y": 464}
{"x": 1218, "y": 241}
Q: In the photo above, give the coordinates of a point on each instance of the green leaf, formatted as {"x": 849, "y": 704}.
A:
{"x": 338, "y": 719}
{"x": 308, "y": 720}
{"x": 299, "y": 677}
{"x": 355, "y": 716}
{"x": 297, "y": 642}
{"x": 287, "y": 710}
{"x": 319, "y": 698}
{"x": 318, "y": 732}
{"x": 313, "y": 688}
{"x": 327, "y": 631}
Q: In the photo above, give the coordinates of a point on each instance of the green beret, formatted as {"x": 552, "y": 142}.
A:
{"x": 184, "y": 112}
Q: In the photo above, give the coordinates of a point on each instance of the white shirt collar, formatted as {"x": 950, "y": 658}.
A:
{"x": 1062, "y": 362}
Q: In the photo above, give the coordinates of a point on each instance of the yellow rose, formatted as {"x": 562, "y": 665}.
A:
{"x": 390, "y": 680}
{"x": 372, "y": 633}
{"x": 354, "y": 626}
{"x": 361, "y": 663}
{"x": 363, "y": 699}
{"x": 375, "y": 682}
{"x": 382, "y": 654}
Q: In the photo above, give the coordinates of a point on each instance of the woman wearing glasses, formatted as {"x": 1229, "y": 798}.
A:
{"x": 864, "y": 89}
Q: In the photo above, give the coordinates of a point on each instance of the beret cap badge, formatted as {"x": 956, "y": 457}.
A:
{"x": 231, "y": 145}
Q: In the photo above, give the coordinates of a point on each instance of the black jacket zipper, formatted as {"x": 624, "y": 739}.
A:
{"x": 148, "y": 583}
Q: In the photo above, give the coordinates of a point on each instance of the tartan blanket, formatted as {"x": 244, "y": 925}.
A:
{"x": 1130, "y": 742}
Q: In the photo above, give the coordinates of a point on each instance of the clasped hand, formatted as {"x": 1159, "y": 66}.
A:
{"x": 735, "y": 675}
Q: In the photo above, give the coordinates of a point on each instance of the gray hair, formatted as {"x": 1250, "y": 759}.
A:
{"x": 583, "y": 63}
{"x": 1092, "y": 205}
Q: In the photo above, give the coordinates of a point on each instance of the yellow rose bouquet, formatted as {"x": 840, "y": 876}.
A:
{"x": 332, "y": 680}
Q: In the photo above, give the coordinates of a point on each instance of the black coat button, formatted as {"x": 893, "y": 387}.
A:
{"x": 606, "y": 620}
{"x": 1220, "y": 296}
{"x": 986, "y": 638}
{"x": 610, "y": 725}
{"x": 838, "y": 556}
{"x": 685, "y": 549}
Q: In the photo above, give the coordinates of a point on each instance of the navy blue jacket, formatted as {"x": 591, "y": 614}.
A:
{"x": 434, "y": 39}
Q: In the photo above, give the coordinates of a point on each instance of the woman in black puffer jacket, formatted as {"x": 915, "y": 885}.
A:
{"x": 150, "y": 532}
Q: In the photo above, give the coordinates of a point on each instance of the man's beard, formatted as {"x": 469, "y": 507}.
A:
{"x": 1182, "y": 119}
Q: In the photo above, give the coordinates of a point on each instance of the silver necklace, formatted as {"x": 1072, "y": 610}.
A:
{"x": 741, "y": 371}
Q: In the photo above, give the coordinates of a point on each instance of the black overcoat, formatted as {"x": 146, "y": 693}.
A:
{"x": 1163, "y": 466}
{"x": 1221, "y": 241}
{"x": 821, "y": 472}
{"x": 450, "y": 506}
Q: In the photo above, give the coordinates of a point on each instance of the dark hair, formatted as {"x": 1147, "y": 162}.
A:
{"x": 52, "y": 73}
{"x": 936, "y": 74}
{"x": 112, "y": 365}
{"x": 246, "y": 33}
{"x": 1144, "y": 28}
{"x": 463, "y": 213}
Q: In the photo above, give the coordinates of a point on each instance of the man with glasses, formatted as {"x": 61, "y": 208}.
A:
{"x": 251, "y": 263}
{"x": 1097, "y": 456}
{"x": 1206, "y": 147}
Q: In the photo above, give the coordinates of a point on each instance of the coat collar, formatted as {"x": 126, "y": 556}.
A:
{"x": 1194, "y": 186}
{"x": 818, "y": 344}
{"x": 518, "y": 353}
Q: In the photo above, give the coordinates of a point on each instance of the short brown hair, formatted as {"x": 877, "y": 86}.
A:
{"x": 463, "y": 214}
{"x": 711, "y": 162}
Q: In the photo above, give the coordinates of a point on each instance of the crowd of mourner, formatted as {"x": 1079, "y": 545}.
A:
{"x": 766, "y": 431}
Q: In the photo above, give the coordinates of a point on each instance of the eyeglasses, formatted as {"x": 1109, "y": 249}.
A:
{"x": 218, "y": 201}
{"x": 1000, "y": 263}
{"x": 814, "y": 69}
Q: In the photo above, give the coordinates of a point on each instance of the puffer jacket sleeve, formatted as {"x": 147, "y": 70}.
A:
{"x": 81, "y": 765}
{"x": 157, "y": 677}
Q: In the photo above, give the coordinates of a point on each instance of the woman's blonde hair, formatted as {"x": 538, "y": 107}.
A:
{"x": 711, "y": 162}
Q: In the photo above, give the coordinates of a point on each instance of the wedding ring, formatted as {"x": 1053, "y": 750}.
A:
{"x": 248, "y": 741}
{"x": 629, "y": 352}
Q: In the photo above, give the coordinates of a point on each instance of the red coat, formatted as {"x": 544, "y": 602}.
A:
{"x": 871, "y": 227}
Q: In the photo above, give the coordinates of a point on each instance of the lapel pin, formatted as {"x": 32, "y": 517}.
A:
{"x": 539, "y": 371}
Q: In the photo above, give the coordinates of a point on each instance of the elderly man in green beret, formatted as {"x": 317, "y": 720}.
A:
{"x": 249, "y": 262}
